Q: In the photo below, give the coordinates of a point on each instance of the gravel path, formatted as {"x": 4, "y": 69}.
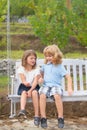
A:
{"x": 70, "y": 124}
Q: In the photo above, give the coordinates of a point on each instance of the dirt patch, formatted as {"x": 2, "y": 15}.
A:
{"x": 71, "y": 109}
{"x": 32, "y": 42}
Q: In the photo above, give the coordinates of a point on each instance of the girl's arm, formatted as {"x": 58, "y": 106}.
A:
{"x": 34, "y": 84}
{"x": 69, "y": 84}
{"x": 23, "y": 79}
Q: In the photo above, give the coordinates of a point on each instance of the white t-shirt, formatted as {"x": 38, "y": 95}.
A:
{"x": 30, "y": 75}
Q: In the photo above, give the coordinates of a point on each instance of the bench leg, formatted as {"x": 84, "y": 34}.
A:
{"x": 13, "y": 110}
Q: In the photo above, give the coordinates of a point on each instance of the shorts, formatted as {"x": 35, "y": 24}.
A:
{"x": 50, "y": 91}
{"x": 22, "y": 88}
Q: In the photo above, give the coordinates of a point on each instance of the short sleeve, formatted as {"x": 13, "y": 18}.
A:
{"x": 42, "y": 68}
{"x": 37, "y": 71}
{"x": 20, "y": 70}
{"x": 63, "y": 71}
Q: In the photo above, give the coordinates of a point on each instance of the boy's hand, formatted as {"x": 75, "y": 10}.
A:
{"x": 70, "y": 91}
{"x": 40, "y": 81}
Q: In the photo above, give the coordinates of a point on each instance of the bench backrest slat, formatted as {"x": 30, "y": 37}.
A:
{"x": 77, "y": 68}
{"x": 86, "y": 74}
{"x": 81, "y": 76}
{"x": 74, "y": 78}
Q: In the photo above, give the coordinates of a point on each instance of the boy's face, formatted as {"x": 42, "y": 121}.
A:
{"x": 49, "y": 58}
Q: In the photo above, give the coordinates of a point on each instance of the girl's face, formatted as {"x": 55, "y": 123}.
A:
{"x": 49, "y": 58}
{"x": 31, "y": 60}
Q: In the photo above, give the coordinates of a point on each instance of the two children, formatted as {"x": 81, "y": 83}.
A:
{"x": 50, "y": 76}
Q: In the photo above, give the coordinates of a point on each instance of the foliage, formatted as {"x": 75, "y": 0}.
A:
{"x": 21, "y": 9}
{"x": 50, "y": 21}
{"x": 54, "y": 22}
{"x": 3, "y": 44}
{"x": 79, "y": 21}
{"x": 3, "y": 10}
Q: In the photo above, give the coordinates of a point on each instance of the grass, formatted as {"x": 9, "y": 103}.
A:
{"x": 3, "y": 84}
{"x": 18, "y": 54}
{"x": 16, "y": 28}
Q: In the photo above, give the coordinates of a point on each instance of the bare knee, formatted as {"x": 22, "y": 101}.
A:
{"x": 42, "y": 96}
{"x": 57, "y": 97}
{"x": 24, "y": 93}
{"x": 34, "y": 92}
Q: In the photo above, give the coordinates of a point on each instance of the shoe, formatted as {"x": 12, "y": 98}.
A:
{"x": 22, "y": 112}
{"x": 60, "y": 122}
{"x": 37, "y": 121}
{"x": 22, "y": 116}
{"x": 43, "y": 122}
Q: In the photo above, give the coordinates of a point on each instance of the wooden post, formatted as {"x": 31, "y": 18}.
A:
{"x": 68, "y": 4}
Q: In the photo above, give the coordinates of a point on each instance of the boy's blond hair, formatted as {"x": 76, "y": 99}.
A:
{"x": 25, "y": 56}
{"x": 54, "y": 51}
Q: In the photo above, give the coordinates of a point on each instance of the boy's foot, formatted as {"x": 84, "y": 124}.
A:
{"x": 37, "y": 121}
{"x": 22, "y": 115}
{"x": 43, "y": 122}
{"x": 60, "y": 122}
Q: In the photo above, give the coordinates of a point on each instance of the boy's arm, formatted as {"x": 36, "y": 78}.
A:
{"x": 69, "y": 84}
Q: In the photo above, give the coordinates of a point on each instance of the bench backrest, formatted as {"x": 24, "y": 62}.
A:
{"x": 77, "y": 68}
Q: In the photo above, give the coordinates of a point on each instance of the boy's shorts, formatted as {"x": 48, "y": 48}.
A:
{"x": 22, "y": 88}
{"x": 50, "y": 91}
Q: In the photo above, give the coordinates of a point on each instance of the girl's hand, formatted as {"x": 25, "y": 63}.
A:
{"x": 29, "y": 93}
{"x": 27, "y": 84}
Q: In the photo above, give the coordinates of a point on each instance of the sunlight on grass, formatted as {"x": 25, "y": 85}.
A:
{"x": 3, "y": 81}
{"x": 17, "y": 54}
{"x": 76, "y": 55}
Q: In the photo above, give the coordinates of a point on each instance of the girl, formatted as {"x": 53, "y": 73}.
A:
{"x": 28, "y": 78}
{"x": 53, "y": 71}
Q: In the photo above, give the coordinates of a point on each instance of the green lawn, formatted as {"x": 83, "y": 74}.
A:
{"x": 18, "y": 54}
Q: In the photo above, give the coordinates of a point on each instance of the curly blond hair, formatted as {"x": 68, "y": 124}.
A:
{"x": 25, "y": 56}
{"x": 54, "y": 51}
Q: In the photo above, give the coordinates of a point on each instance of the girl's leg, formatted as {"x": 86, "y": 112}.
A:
{"x": 35, "y": 99}
{"x": 59, "y": 105}
{"x": 43, "y": 105}
{"x": 23, "y": 100}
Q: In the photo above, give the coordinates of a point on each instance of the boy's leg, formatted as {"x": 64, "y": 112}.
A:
{"x": 59, "y": 106}
{"x": 35, "y": 99}
{"x": 43, "y": 110}
{"x": 43, "y": 105}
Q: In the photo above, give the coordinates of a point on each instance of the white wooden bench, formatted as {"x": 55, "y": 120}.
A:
{"x": 77, "y": 68}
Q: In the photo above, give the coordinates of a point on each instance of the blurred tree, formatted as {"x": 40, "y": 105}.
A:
{"x": 3, "y": 10}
